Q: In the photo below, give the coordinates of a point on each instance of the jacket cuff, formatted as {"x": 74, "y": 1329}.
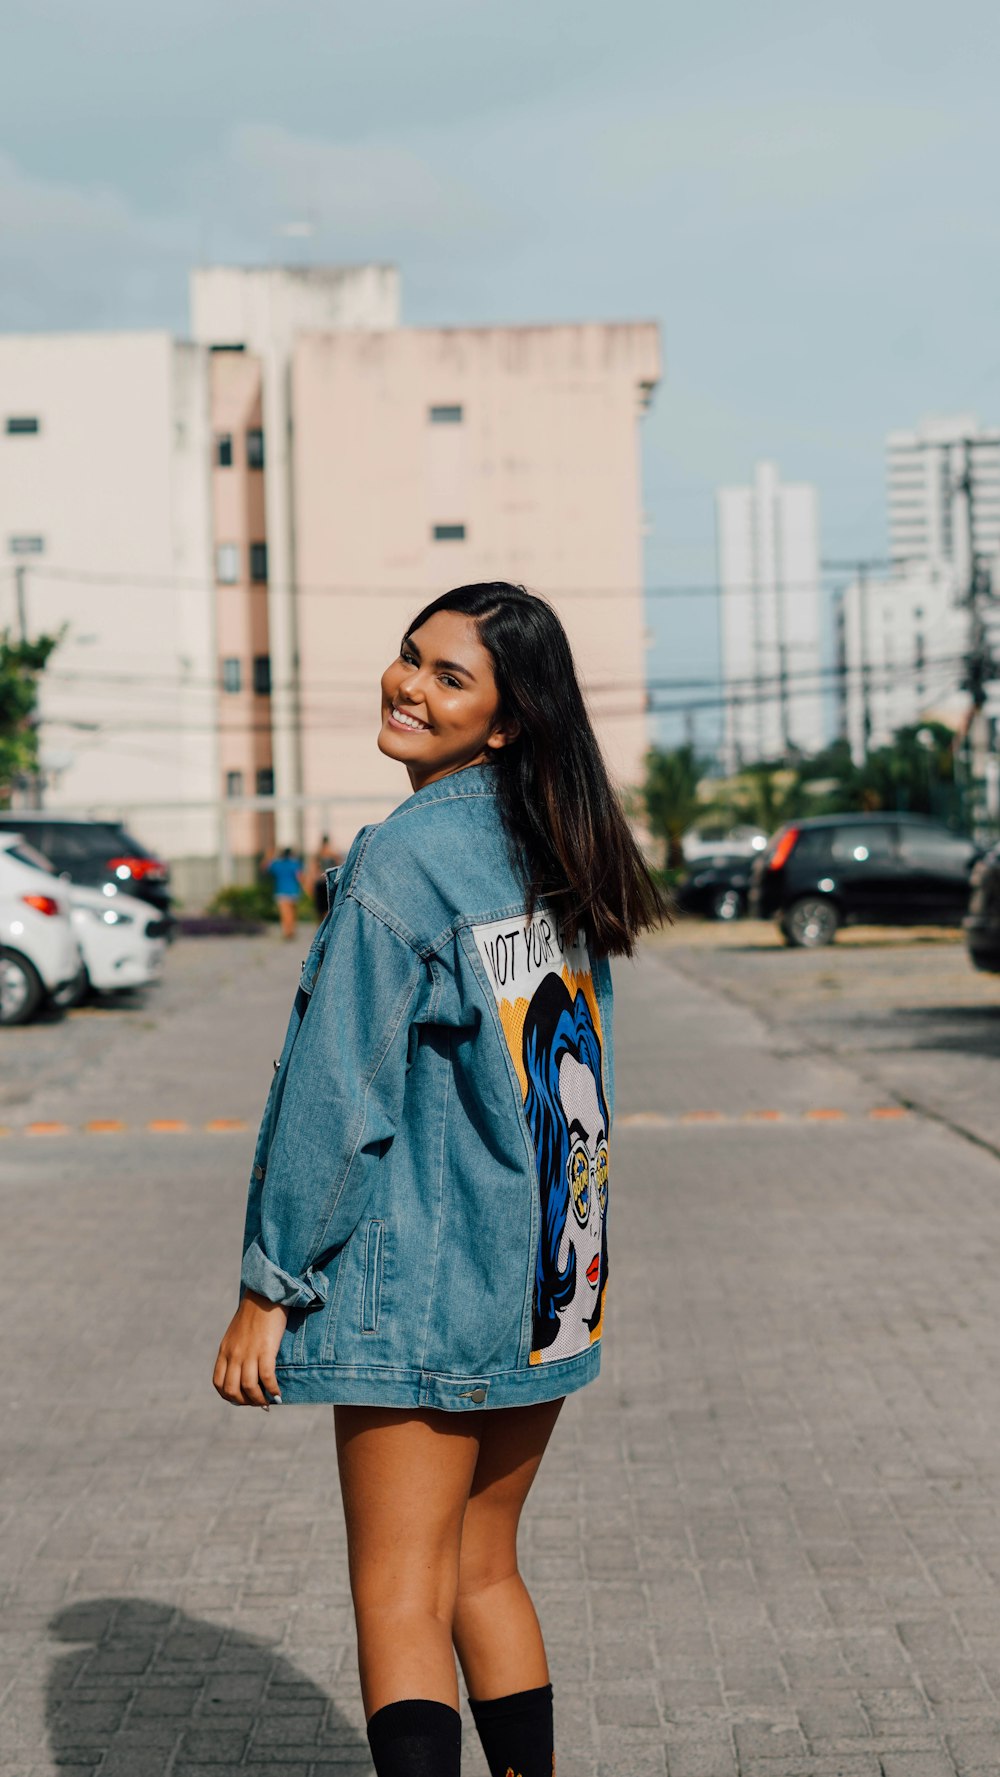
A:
{"x": 261, "y": 1274}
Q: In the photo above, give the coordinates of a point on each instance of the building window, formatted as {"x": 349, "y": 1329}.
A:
{"x": 255, "y": 448}
{"x": 258, "y": 563}
{"x": 26, "y": 545}
{"x": 21, "y": 424}
{"x": 223, "y": 450}
{"x": 227, "y": 563}
{"x": 445, "y": 416}
{"x": 262, "y": 674}
{"x": 449, "y": 533}
{"x": 232, "y": 674}
{"x": 234, "y": 783}
{"x": 265, "y": 780}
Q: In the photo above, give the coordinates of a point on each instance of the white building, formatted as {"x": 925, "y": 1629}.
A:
{"x": 904, "y": 634}
{"x": 771, "y": 618}
{"x": 228, "y": 534}
{"x": 902, "y": 637}
{"x": 933, "y": 472}
{"x": 104, "y": 506}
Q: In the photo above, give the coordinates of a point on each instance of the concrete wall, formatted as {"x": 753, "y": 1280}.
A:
{"x": 116, "y": 484}
{"x": 542, "y": 471}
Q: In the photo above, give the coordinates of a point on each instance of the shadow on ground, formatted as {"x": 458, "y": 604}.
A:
{"x": 148, "y": 1689}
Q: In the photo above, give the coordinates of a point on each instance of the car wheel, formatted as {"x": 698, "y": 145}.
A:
{"x": 21, "y": 990}
{"x": 73, "y": 993}
{"x": 727, "y": 904}
{"x": 810, "y": 923}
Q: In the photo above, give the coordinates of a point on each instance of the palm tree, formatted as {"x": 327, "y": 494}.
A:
{"x": 671, "y": 796}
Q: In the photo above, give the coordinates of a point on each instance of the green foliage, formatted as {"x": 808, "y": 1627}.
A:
{"x": 253, "y": 902}
{"x": 20, "y": 665}
{"x": 671, "y": 797}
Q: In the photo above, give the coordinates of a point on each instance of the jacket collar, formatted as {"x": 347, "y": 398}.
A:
{"x": 472, "y": 780}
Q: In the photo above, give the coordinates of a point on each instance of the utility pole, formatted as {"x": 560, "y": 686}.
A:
{"x": 21, "y": 592}
{"x": 979, "y": 665}
{"x": 861, "y": 570}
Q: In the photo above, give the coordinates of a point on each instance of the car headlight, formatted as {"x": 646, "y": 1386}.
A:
{"x": 112, "y": 917}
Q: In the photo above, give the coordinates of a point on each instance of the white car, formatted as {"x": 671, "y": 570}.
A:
{"x": 39, "y": 954}
{"x": 122, "y": 939}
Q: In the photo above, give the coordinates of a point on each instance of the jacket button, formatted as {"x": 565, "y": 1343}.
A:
{"x": 258, "y": 1172}
{"x": 478, "y": 1395}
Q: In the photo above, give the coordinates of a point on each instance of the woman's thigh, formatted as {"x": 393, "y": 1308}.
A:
{"x": 405, "y": 1479}
{"x": 512, "y": 1442}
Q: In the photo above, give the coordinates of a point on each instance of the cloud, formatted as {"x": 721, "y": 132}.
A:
{"x": 78, "y": 256}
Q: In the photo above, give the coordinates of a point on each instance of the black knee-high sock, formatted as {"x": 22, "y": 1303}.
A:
{"x": 517, "y": 1733}
{"x": 416, "y": 1738}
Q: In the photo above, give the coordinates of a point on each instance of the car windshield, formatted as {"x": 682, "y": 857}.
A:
{"x": 26, "y": 854}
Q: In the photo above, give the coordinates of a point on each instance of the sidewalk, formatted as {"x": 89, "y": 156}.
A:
{"x": 767, "y": 1543}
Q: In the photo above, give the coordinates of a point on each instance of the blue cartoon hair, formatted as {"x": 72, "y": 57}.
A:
{"x": 556, "y": 1025}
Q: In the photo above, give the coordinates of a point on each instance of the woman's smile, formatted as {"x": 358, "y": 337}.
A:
{"x": 441, "y": 694}
{"x": 402, "y": 719}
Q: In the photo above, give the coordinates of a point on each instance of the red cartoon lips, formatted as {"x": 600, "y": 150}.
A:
{"x": 594, "y": 1270}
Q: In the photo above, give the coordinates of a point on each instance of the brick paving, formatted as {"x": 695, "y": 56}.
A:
{"x": 766, "y": 1544}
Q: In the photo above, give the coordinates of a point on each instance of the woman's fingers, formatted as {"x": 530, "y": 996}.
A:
{"x": 252, "y": 1395}
{"x": 268, "y": 1379}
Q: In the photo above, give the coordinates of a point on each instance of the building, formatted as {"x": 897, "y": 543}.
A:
{"x": 944, "y": 494}
{"x": 901, "y": 639}
{"x": 428, "y": 458}
{"x": 231, "y": 532}
{"x": 105, "y": 518}
{"x": 904, "y": 634}
{"x": 770, "y": 619}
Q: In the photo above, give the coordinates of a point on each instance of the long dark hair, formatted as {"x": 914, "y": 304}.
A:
{"x": 568, "y": 832}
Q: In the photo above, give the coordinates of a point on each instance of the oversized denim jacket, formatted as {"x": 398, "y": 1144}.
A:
{"x": 430, "y": 1183}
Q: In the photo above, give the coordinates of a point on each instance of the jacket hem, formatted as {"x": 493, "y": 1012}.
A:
{"x": 388, "y": 1386}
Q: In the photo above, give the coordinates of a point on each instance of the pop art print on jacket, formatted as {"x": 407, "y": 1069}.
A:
{"x": 544, "y": 991}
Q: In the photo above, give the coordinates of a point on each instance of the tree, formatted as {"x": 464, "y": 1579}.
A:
{"x": 20, "y": 665}
{"x": 671, "y": 796}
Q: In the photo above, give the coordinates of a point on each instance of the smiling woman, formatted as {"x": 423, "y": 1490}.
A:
{"x": 426, "y": 1237}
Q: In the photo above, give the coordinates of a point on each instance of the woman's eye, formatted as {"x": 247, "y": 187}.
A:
{"x": 450, "y": 682}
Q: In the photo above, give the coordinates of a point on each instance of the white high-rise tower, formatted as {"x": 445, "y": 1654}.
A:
{"x": 771, "y": 623}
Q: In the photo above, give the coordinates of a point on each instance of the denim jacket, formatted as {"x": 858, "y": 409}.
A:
{"x": 430, "y": 1183}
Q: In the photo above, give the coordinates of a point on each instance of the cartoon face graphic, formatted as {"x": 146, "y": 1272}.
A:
{"x": 567, "y": 1115}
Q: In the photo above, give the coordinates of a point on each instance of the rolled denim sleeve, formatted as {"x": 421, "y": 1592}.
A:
{"x": 338, "y": 1104}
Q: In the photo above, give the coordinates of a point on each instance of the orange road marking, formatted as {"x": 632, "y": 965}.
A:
{"x": 703, "y": 1117}
{"x": 168, "y": 1126}
{"x": 46, "y": 1129}
{"x": 104, "y": 1126}
{"x": 886, "y": 1111}
{"x": 222, "y": 1125}
{"x": 763, "y": 1116}
{"x": 825, "y": 1116}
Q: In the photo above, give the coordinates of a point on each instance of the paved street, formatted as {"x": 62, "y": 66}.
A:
{"x": 767, "y": 1543}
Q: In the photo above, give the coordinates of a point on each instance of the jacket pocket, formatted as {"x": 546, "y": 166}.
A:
{"x": 371, "y": 1288}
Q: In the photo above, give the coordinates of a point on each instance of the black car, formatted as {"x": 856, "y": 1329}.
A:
{"x": 716, "y": 886}
{"x": 93, "y": 853}
{"x": 982, "y": 922}
{"x": 875, "y": 869}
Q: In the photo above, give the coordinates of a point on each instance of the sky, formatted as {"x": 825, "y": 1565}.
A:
{"x": 804, "y": 197}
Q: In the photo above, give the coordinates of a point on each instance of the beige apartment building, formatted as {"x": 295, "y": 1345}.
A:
{"x": 232, "y": 533}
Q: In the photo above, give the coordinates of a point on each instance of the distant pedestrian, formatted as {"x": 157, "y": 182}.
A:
{"x": 286, "y": 874}
{"x": 324, "y": 859}
{"x": 426, "y": 1235}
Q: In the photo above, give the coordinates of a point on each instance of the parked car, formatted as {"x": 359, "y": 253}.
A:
{"x": 877, "y": 869}
{"x": 39, "y": 954}
{"x": 699, "y": 843}
{"x": 982, "y": 922}
{"x": 93, "y": 853}
{"x": 122, "y": 941}
{"x": 716, "y": 887}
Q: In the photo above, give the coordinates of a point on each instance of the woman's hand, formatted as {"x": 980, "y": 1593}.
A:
{"x": 244, "y": 1368}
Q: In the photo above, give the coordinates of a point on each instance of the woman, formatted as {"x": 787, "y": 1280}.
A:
{"x": 425, "y": 1241}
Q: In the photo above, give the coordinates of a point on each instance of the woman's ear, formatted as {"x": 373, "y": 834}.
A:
{"x": 504, "y": 733}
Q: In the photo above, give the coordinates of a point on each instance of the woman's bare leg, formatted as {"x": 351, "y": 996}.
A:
{"x": 405, "y": 1479}
{"x": 496, "y": 1631}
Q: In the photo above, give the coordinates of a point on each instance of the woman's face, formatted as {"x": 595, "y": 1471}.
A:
{"x": 588, "y": 1186}
{"x": 440, "y": 709}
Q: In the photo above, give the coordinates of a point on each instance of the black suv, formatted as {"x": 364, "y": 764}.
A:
{"x": 875, "y": 869}
{"x": 93, "y": 852}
